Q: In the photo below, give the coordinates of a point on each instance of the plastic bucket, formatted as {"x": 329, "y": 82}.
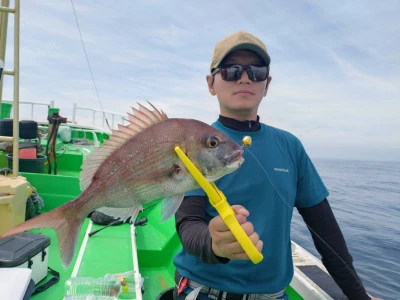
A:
{"x": 35, "y": 165}
{"x": 5, "y": 110}
{"x": 53, "y": 110}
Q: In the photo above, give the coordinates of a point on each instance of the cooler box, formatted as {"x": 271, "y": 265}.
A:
{"x": 13, "y": 195}
{"x": 26, "y": 250}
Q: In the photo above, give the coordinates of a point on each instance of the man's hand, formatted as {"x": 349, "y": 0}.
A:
{"x": 224, "y": 243}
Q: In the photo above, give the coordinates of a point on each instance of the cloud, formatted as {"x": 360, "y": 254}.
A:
{"x": 335, "y": 68}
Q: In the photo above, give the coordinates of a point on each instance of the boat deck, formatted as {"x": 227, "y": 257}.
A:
{"x": 110, "y": 252}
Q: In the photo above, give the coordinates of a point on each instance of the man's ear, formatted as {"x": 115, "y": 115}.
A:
{"x": 210, "y": 84}
{"x": 268, "y": 81}
{"x": 267, "y": 85}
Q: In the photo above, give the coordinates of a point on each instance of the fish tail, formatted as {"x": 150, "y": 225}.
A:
{"x": 66, "y": 223}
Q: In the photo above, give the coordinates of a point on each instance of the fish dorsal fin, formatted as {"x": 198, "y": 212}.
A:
{"x": 139, "y": 120}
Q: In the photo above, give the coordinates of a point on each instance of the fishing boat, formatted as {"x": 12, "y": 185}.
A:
{"x": 138, "y": 253}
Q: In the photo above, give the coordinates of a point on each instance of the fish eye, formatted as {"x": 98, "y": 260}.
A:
{"x": 212, "y": 142}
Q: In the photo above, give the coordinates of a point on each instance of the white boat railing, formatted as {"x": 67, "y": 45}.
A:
{"x": 114, "y": 117}
{"x": 104, "y": 117}
{"x": 32, "y": 105}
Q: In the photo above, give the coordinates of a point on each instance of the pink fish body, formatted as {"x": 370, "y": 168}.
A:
{"x": 138, "y": 164}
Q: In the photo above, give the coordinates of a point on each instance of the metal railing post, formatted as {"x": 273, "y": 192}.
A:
{"x": 16, "y": 91}
{"x": 74, "y": 113}
{"x": 4, "y": 9}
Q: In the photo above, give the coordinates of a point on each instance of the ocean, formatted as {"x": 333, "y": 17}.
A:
{"x": 365, "y": 198}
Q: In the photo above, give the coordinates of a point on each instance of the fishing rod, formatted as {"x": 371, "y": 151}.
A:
{"x": 141, "y": 222}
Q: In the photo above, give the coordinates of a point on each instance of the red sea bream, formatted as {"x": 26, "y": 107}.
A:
{"x": 138, "y": 164}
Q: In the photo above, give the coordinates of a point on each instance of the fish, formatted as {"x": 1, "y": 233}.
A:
{"x": 137, "y": 165}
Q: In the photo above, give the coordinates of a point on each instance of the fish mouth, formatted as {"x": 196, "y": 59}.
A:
{"x": 230, "y": 163}
{"x": 235, "y": 157}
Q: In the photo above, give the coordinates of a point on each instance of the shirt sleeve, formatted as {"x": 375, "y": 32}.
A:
{"x": 310, "y": 188}
{"x": 330, "y": 243}
{"x": 192, "y": 228}
{"x": 196, "y": 192}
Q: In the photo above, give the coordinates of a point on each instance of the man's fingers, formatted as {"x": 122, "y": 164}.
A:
{"x": 224, "y": 236}
{"x": 248, "y": 228}
{"x": 235, "y": 250}
{"x": 240, "y": 210}
{"x": 224, "y": 243}
{"x": 227, "y": 235}
{"x": 241, "y": 255}
{"x": 241, "y": 214}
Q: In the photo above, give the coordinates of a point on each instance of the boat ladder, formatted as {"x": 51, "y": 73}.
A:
{"x": 4, "y": 11}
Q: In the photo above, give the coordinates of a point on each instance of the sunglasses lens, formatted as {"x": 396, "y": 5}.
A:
{"x": 257, "y": 73}
{"x": 234, "y": 73}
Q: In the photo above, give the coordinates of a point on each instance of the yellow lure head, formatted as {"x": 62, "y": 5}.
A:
{"x": 246, "y": 141}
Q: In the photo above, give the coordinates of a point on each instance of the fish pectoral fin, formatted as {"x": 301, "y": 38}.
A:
{"x": 121, "y": 213}
{"x": 169, "y": 206}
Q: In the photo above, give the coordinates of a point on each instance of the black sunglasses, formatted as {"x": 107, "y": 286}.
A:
{"x": 235, "y": 72}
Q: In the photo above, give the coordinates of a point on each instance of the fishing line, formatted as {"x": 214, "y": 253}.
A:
{"x": 291, "y": 209}
{"x": 88, "y": 62}
{"x": 270, "y": 181}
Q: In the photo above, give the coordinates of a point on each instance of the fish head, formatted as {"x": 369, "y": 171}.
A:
{"x": 214, "y": 153}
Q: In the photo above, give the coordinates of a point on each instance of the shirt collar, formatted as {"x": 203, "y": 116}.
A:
{"x": 247, "y": 125}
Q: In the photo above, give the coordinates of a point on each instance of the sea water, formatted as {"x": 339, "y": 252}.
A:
{"x": 365, "y": 198}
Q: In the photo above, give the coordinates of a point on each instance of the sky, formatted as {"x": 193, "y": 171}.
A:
{"x": 335, "y": 66}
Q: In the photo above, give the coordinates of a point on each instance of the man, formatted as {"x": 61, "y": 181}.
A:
{"x": 277, "y": 176}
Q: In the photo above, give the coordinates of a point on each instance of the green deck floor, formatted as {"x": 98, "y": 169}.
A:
{"x": 110, "y": 252}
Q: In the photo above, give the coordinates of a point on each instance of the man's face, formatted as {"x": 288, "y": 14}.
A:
{"x": 239, "y": 99}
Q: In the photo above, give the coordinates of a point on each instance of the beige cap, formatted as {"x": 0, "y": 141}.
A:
{"x": 240, "y": 40}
